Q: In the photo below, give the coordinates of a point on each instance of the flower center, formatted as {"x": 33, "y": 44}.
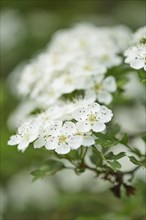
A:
{"x": 26, "y": 136}
{"x": 87, "y": 67}
{"x": 92, "y": 118}
{"x": 105, "y": 57}
{"x": 83, "y": 43}
{"x": 62, "y": 139}
{"x": 97, "y": 87}
{"x": 68, "y": 80}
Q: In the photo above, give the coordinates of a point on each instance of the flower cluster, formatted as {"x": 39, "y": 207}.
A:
{"x": 56, "y": 133}
{"x": 68, "y": 85}
{"x": 136, "y": 54}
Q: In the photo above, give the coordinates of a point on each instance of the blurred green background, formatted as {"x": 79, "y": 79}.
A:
{"x": 26, "y": 28}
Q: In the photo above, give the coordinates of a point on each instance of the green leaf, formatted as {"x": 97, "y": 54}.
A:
{"x": 50, "y": 167}
{"x": 97, "y": 157}
{"x": 121, "y": 70}
{"x": 114, "y": 165}
{"x": 135, "y": 161}
{"x": 112, "y": 156}
{"x": 124, "y": 140}
{"x": 142, "y": 75}
{"x": 122, "y": 82}
{"x": 136, "y": 151}
{"x": 144, "y": 137}
{"x": 106, "y": 140}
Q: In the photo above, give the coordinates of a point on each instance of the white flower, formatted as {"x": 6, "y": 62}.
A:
{"x": 102, "y": 88}
{"x": 85, "y": 66}
{"x": 77, "y": 59}
{"x": 28, "y": 77}
{"x": 121, "y": 36}
{"x": 63, "y": 138}
{"x": 140, "y": 35}
{"x": 48, "y": 97}
{"x": 51, "y": 114}
{"x": 67, "y": 83}
{"x": 136, "y": 56}
{"x": 92, "y": 117}
{"x": 27, "y": 133}
{"x": 70, "y": 107}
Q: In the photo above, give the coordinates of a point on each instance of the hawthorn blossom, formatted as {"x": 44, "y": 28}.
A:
{"x": 136, "y": 56}
{"x": 102, "y": 88}
{"x": 92, "y": 117}
{"x": 27, "y": 133}
{"x": 63, "y": 138}
{"x": 65, "y": 81}
{"x": 140, "y": 35}
{"x": 64, "y": 67}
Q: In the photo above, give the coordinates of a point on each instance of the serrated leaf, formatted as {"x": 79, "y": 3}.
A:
{"x": 144, "y": 137}
{"x": 115, "y": 165}
{"x": 96, "y": 157}
{"x": 112, "y": 156}
{"x": 119, "y": 156}
{"x": 135, "y": 161}
{"x": 124, "y": 140}
{"x": 142, "y": 75}
{"x": 105, "y": 140}
{"x": 136, "y": 151}
{"x": 49, "y": 168}
{"x": 144, "y": 163}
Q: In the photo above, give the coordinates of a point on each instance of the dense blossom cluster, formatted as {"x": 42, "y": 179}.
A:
{"x": 69, "y": 85}
{"x": 136, "y": 54}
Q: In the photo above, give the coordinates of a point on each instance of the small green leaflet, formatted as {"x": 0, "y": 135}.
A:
{"x": 114, "y": 165}
{"x": 106, "y": 140}
{"x": 142, "y": 75}
{"x": 112, "y": 156}
{"x": 137, "y": 162}
{"x": 48, "y": 168}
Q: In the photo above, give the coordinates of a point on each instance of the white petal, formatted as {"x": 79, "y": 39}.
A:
{"x": 94, "y": 108}
{"x": 33, "y": 137}
{"x": 105, "y": 115}
{"x": 51, "y": 144}
{"x": 98, "y": 127}
{"x": 75, "y": 142}
{"x": 14, "y": 139}
{"x": 23, "y": 145}
{"x": 88, "y": 141}
{"x": 109, "y": 84}
{"x": 83, "y": 126}
{"x": 55, "y": 128}
{"x": 63, "y": 149}
{"x": 40, "y": 142}
{"x": 137, "y": 64}
{"x": 80, "y": 114}
{"x": 90, "y": 96}
{"x": 25, "y": 126}
{"x": 104, "y": 97}
{"x": 99, "y": 78}
{"x": 68, "y": 128}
